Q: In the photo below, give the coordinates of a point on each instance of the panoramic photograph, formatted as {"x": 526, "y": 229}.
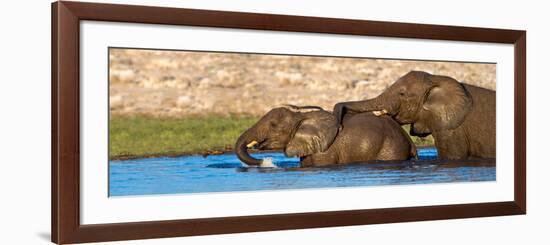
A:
{"x": 183, "y": 122}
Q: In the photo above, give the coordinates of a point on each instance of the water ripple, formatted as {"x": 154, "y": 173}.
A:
{"x": 225, "y": 173}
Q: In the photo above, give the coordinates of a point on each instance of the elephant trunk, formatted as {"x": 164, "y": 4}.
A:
{"x": 385, "y": 102}
{"x": 241, "y": 149}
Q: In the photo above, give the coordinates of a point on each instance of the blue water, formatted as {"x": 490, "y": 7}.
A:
{"x": 225, "y": 173}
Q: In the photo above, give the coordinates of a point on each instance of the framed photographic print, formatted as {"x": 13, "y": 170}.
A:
{"x": 177, "y": 122}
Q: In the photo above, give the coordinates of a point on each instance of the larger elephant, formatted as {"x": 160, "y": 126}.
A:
{"x": 313, "y": 134}
{"x": 460, "y": 117}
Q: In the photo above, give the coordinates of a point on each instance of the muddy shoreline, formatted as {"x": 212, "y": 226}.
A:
{"x": 203, "y": 154}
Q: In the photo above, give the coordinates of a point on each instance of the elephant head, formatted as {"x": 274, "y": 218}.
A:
{"x": 298, "y": 131}
{"x": 428, "y": 102}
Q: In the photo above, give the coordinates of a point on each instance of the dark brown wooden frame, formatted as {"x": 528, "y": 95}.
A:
{"x": 66, "y": 227}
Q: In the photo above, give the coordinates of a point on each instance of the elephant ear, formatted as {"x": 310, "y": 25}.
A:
{"x": 314, "y": 134}
{"x": 447, "y": 104}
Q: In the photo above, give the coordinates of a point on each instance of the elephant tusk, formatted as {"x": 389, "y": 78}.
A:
{"x": 380, "y": 113}
{"x": 252, "y": 144}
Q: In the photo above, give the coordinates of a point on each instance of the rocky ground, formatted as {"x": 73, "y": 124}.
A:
{"x": 179, "y": 84}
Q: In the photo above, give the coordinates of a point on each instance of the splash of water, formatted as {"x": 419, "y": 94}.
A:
{"x": 268, "y": 163}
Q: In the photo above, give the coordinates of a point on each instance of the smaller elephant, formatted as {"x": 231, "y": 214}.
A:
{"x": 314, "y": 135}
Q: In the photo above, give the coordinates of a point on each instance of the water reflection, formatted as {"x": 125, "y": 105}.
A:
{"x": 225, "y": 173}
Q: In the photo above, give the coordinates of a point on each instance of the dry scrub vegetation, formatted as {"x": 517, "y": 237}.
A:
{"x": 179, "y": 83}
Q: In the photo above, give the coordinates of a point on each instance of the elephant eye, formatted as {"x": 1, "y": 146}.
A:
{"x": 401, "y": 93}
{"x": 272, "y": 124}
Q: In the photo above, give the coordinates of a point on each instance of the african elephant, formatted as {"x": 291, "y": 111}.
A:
{"x": 460, "y": 117}
{"x": 313, "y": 134}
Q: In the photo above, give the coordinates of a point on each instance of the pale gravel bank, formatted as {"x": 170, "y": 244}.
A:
{"x": 179, "y": 84}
